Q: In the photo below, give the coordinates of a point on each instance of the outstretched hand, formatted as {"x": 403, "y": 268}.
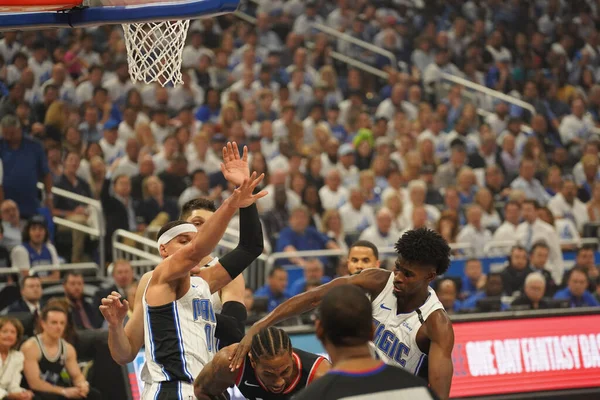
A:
{"x": 113, "y": 310}
{"x": 241, "y": 351}
{"x": 234, "y": 168}
{"x": 243, "y": 196}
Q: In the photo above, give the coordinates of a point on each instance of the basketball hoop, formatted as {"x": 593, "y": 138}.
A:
{"x": 155, "y": 30}
{"x": 155, "y": 51}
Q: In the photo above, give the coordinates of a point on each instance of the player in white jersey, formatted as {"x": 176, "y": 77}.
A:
{"x": 178, "y": 325}
{"x": 412, "y": 325}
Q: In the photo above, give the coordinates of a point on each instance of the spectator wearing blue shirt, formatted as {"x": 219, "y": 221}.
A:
{"x": 274, "y": 290}
{"x": 299, "y": 236}
{"x": 36, "y": 250}
{"x": 493, "y": 289}
{"x": 24, "y": 163}
{"x": 473, "y": 279}
{"x": 576, "y": 290}
{"x": 211, "y": 110}
{"x": 313, "y": 272}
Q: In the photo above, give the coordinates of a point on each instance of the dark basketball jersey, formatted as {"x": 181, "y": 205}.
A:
{"x": 383, "y": 382}
{"x": 253, "y": 389}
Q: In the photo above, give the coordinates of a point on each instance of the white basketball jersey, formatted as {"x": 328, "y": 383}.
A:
{"x": 395, "y": 339}
{"x": 180, "y": 336}
{"x": 215, "y": 297}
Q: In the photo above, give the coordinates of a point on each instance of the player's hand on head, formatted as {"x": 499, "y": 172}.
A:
{"x": 241, "y": 351}
{"x": 113, "y": 309}
{"x": 235, "y": 168}
{"x": 244, "y": 196}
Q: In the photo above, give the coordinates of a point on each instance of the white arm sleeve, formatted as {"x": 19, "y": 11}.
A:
{"x": 19, "y": 258}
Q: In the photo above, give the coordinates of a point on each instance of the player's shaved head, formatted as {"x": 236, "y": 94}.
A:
{"x": 341, "y": 325}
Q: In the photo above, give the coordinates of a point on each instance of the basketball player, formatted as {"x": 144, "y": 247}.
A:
{"x": 345, "y": 333}
{"x": 362, "y": 255}
{"x": 177, "y": 307}
{"x": 272, "y": 371}
{"x": 411, "y": 324}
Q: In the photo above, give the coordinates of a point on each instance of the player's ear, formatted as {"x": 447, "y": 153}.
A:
{"x": 252, "y": 362}
{"x": 319, "y": 329}
{"x": 163, "y": 251}
{"x": 431, "y": 276}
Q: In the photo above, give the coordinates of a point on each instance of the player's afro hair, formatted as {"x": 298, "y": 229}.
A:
{"x": 424, "y": 247}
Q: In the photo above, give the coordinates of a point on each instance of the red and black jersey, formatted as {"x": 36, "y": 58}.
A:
{"x": 253, "y": 389}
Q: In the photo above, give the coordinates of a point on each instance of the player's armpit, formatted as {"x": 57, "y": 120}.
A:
{"x": 216, "y": 376}
{"x": 321, "y": 369}
{"x": 441, "y": 334}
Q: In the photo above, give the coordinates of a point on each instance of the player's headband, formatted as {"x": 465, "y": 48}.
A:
{"x": 174, "y": 232}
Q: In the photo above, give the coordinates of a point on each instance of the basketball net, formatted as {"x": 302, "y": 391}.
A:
{"x": 155, "y": 50}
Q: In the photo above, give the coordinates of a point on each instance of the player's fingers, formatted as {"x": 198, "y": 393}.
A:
{"x": 236, "y": 151}
{"x": 230, "y": 156}
{"x": 260, "y": 195}
{"x": 223, "y": 169}
{"x": 116, "y": 294}
{"x": 224, "y": 153}
{"x": 126, "y": 304}
{"x": 257, "y": 181}
{"x": 106, "y": 301}
{"x": 245, "y": 154}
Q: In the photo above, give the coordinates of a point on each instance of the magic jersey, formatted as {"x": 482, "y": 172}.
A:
{"x": 395, "y": 339}
{"x": 179, "y": 340}
{"x": 215, "y": 297}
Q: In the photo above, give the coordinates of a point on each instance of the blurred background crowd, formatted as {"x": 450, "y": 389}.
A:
{"x": 356, "y": 143}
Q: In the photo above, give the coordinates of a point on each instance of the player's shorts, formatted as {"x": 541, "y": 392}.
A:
{"x": 169, "y": 391}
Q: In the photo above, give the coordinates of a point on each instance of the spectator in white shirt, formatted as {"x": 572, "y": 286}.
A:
{"x": 474, "y": 233}
{"x": 576, "y": 128}
{"x": 12, "y": 361}
{"x": 526, "y": 182}
{"x": 303, "y": 24}
{"x": 592, "y": 149}
{"x": 192, "y": 52}
{"x": 128, "y": 124}
{"x": 85, "y": 90}
{"x": 418, "y": 219}
{"x": 333, "y": 194}
{"x": 120, "y": 84}
{"x": 565, "y": 228}
{"x": 417, "y": 190}
{"x": 169, "y": 150}
{"x": 128, "y": 164}
{"x": 382, "y": 234}
{"x": 111, "y": 145}
{"x": 396, "y": 103}
{"x": 160, "y": 125}
{"x": 39, "y": 63}
{"x": 301, "y": 95}
{"x": 508, "y": 230}
{"x": 433, "y": 72}
{"x": 9, "y": 46}
{"x": 533, "y": 230}
{"x": 356, "y": 215}
{"x": 346, "y": 166}
{"x": 276, "y": 178}
{"x": 565, "y": 204}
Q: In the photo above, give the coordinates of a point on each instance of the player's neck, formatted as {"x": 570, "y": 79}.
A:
{"x": 410, "y": 304}
{"x": 354, "y": 358}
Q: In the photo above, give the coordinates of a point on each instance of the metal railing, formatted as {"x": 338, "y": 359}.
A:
{"x": 95, "y": 207}
{"x": 357, "y": 42}
{"x": 487, "y": 91}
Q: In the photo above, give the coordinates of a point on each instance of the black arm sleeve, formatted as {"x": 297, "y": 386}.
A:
{"x": 250, "y": 245}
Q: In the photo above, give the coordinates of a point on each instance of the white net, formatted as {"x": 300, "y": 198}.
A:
{"x": 154, "y": 51}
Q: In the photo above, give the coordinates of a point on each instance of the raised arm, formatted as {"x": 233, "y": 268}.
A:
{"x": 371, "y": 280}
{"x": 216, "y": 376}
{"x": 183, "y": 261}
{"x": 125, "y": 342}
{"x": 250, "y": 246}
{"x": 441, "y": 334}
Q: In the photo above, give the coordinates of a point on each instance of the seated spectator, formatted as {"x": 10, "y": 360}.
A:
{"x": 4, "y": 257}
{"x": 507, "y": 232}
{"x": 300, "y": 236}
{"x": 590, "y": 164}
{"x": 274, "y": 290}
{"x": 474, "y": 233}
{"x": 277, "y": 178}
{"x": 382, "y": 233}
{"x": 417, "y": 190}
{"x": 585, "y": 260}
{"x": 175, "y": 177}
{"x": 122, "y": 278}
{"x": 356, "y": 214}
{"x": 313, "y": 272}
{"x": 83, "y": 313}
{"x": 333, "y": 195}
{"x": 156, "y": 209}
{"x": 493, "y": 290}
{"x": 490, "y": 218}
{"x": 473, "y": 279}
{"x": 527, "y": 182}
{"x": 593, "y": 205}
{"x": 447, "y": 173}
{"x": 532, "y": 297}
{"x": 276, "y": 219}
{"x": 566, "y": 205}
{"x": 447, "y": 226}
{"x": 538, "y": 261}
{"x": 31, "y": 295}
{"x": 199, "y": 188}
{"x": 576, "y": 291}
{"x": 11, "y": 223}
{"x": 446, "y": 291}
{"x": 11, "y": 361}
{"x": 513, "y": 276}
{"x": 333, "y": 227}
{"x": 47, "y": 355}
{"x": 36, "y": 250}
{"x": 533, "y": 230}
{"x": 70, "y": 209}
